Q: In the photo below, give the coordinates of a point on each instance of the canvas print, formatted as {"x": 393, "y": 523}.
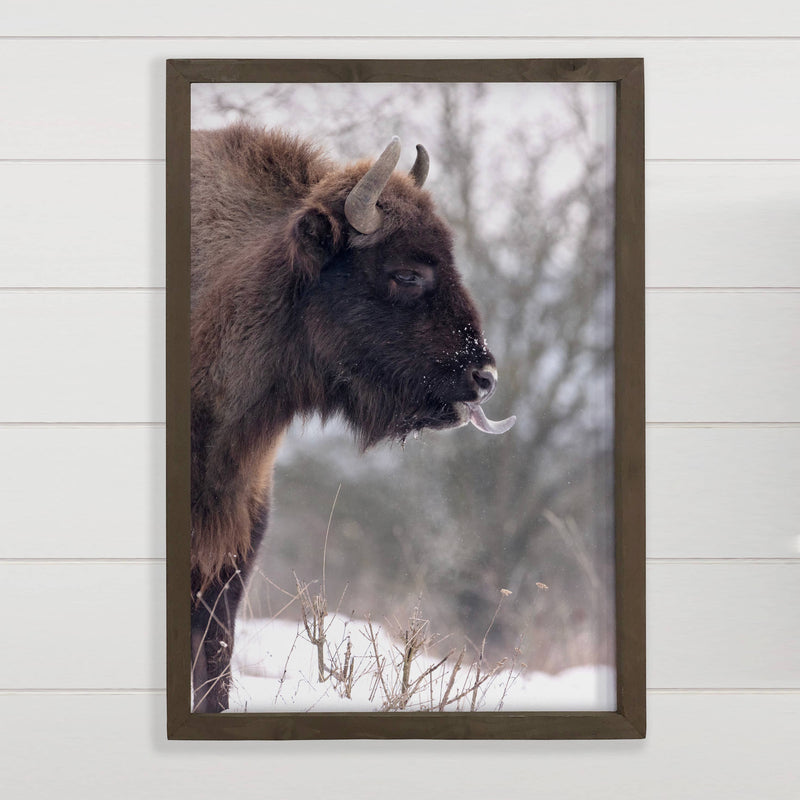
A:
{"x": 402, "y": 397}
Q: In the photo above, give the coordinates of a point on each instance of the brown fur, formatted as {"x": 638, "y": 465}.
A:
{"x": 295, "y": 312}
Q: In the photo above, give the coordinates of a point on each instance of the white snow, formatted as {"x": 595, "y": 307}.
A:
{"x": 275, "y": 668}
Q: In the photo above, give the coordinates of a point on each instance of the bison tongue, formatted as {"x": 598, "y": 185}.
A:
{"x": 482, "y": 423}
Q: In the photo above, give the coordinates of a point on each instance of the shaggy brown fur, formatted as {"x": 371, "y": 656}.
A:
{"x": 295, "y": 312}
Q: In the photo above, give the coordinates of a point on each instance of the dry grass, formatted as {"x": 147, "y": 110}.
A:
{"x": 397, "y": 665}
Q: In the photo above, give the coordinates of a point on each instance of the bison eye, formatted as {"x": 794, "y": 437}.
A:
{"x": 407, "y": 277}
{"x": 409, "y": 282}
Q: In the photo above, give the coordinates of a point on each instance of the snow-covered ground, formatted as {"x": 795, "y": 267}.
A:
{"x": 275, "y": 668}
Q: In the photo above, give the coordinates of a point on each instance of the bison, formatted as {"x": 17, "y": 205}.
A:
{"x": 315, "y": 288}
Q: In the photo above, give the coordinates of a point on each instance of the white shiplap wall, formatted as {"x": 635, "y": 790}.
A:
{"x": 82, "y": 401}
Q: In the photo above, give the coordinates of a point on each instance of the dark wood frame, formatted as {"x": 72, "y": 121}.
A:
{"x": 629, "y": 720}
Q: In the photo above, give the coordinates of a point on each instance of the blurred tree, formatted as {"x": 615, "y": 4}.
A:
{"x": 540, "y": 261}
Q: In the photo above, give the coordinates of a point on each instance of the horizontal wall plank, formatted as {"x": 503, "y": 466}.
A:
{"x": 709, "y": 224}
{"x": 736, "y": 747}
{"x": 83, "y": 625}
{"x": 723, "y": 492}
{"x": 102, "y": 625}
{"x": 98, "y": 492}
{"x": 445, "y": 18}
{"x": 108, "y": 96}
{"x": 723, "y": 356}
{"x": 723, "y": 224}
{"x": 723, "y": 625}
{"x": 98, "y": 356}
{"x": 82, "y": 492}
{"x": 82, "y": 356}
{"x": 82, "y": 224}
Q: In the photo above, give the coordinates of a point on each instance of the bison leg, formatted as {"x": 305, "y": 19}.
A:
{"x": 213, "y": 619}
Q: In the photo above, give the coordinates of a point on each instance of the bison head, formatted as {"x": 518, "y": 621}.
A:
{"x": 391, "y": 333}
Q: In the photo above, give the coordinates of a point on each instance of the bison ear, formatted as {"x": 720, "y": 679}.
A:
{"x": 316, "y": 236}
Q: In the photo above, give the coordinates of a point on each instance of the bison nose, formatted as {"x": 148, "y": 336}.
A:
{"x": 485, "y": 380}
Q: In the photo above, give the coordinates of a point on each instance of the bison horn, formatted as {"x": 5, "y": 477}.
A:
{"x": 360, "y": 208}
{"x": 421, "y": 165}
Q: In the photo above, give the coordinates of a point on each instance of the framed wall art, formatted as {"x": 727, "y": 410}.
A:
{"x": 405, "y": 411}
